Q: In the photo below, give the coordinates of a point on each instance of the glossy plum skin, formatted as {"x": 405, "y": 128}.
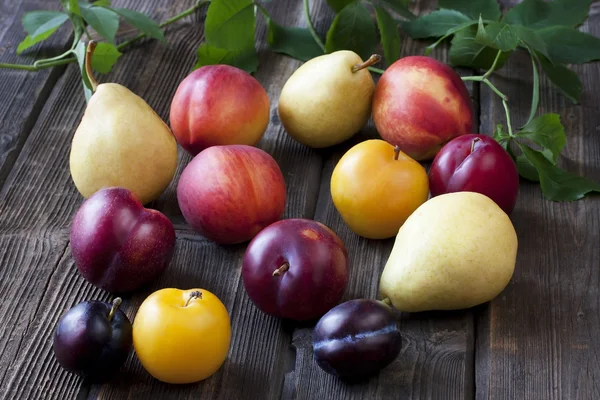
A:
{"x": 487, "y": 169}
{"x": 118, "y": 245}
{"x": 88, "y": 344}
{"x": 318, "y": 269}
{"x": 356, "y": 339}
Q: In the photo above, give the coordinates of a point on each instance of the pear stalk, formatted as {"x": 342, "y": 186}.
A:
{"x": 374, "y": 59}
{"x": 88, "y": 64}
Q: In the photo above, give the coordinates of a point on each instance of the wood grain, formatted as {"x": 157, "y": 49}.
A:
{"x": 24, "y": 93}
{"x": 538, "y": 339}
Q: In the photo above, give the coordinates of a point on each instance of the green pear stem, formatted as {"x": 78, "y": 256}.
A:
{"x": 473, "y": 144}
{"x": 284, "y": 267}
{"x": 88, "y": 64}
{"x": 387, "y": 301}
{"x": 115, "y": 306}
{"x": 194, "y": 295}
{"x": 396, "y": 152}
{"x": 374, "y": 59}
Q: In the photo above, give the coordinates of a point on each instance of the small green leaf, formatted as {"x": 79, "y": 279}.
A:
{"x": 29, "y": 41}
{"x": 526, "y": 170}
{"x": 245, "y": 59}
{"x": 390, "y": 38}
{"x": 80, "y": 51}
{"x": 557, "y": 184}
{"x": 547, "y": 131}
{"x": 535, "y": 97}
{"x": 486, "y": 9}
{"x": 531, "y": 39}
{"x": 466, "y": 52}
{"x": 141, "y": 22}
{"x": 74, "y": 7}
{"x": 38, "y": 22}
{"x": 295, "y": 42}
{"x": 497, "y": 35}
{"x": 104, "y": 21}
{"x": 352, "y": 29}
{"x": 230, "y": 24}
{"x": 400, "y": 7}
{"x": 434, "y": 24}
{"x": 450, "y": 32}
{"x": 563, "y": 78}
{"x": 104, "y": 57}
{"x": 570, "y": 46}
{"x": 102, "y": 3}
{"x": 338, "y": 5}
{"x": 537, "y": 14}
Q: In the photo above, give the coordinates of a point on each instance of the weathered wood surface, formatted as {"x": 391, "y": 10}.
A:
{"x": 537, "y": 340}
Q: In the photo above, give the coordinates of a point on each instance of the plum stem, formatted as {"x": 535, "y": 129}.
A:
{"x": 473, "y": 144}
{"x": 88, "y": 64}
{"x": 115, "y": 306}
{"x": 194, "y": 295}
{"x": 284, "y": 267}
{"x": 396, "y": 152}
{"x": 374, "y": 59}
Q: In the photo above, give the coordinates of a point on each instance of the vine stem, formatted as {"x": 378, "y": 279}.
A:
{"x": 311, "y": 27}
{"x": 69, "y": 60}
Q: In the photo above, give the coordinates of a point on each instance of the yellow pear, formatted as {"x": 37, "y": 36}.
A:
{"x": 455, "y": 251}
{"x": 121, "y": 141}
{"x": 327, "y": 99}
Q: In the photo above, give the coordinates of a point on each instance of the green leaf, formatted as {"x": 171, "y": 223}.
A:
{"x": 486, "y": 9}
{"x": 497, "y": 35}
{"x": 537, "y": 14}
{"x": 531, "y": 39}
{"x": 535, "y": 97}
{"x": 400, "y": 7}
{"x": 466, "y": 52}
{"x": 436, "y": 23}
{"x": 563, "y": 78}
{"x": 352, "y": 29}
{"x": 74, "y": 7}
{"x": 295, "y": 42}
{"x": 38, "y": 22}
{"x": 526, "y": 169}
{"x": 142, "y": 23}
{"x": 29, "y": 41}
{"x": 104, "y": 21}
{"x": 338, "y": 5}
{"x": 450, "y": 32}
{"x": 547, "y": 131}
{"x": 230, "y": 24}
{"x": 102, "y": 3}
{"x": 557, "y": 184}
{"x": 80, "y": 51}
{"x": 104, "y": 57}
{"x": 390, "y": 38}
{"x": 245, "y": 59}
{"x": 570, "y": 46}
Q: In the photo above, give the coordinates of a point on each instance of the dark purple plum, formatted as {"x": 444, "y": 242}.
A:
{"x": 295, "y": 269}
{"x": 93, "y": 339}
{"x": 118, "y": 245}
{"x": 356, "y": 339}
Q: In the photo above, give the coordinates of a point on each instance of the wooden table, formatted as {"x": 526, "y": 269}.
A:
{"x": 538, "y": 340}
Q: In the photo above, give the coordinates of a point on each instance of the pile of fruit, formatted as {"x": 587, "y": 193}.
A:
{"x": 455, "y": 246}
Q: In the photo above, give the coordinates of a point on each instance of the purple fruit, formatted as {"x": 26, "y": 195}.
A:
{"x": 356, "y": 339}
{"x": 93, "y": 339}
{"x": 118, "y": 245}
{"x": 295, "y": 269}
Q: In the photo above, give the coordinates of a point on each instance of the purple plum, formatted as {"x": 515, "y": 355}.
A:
{"x": 118, "y": 245}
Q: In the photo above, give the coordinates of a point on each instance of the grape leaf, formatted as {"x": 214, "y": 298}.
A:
{"x": 38, "y": 22}
{"x": 535, "y": 97}
{"x": 352, "y": 29}
{"x": 531, "y": 39}
{"x": 104, "y": 21}
{"x": 29, "y": 41}
{"x": 74, "y": 7}
{"x": 526, "y": 169}
{"x": 466, "y": 52}
{"x": 141, "y": 22}
{"x": 104, "y": 57}
{"x": 390, "y": 38}
{"x": 230, "y": 24}
{"x": 486, "y": 9}
{"x": 295, "y": 42}
{"x": 80, "y": 51}
{"x": 245, "y": 59}
{"x": 436, "y": 23}
{"x": 537, "y": 14}
{"x": 570, "y": 46}
{"x": 563, "y": 78}
{"x": 400, "y": 7}
{"x": 338, "y": 5}
{"x": 497, "y": 35}
{"x": 548, "y": 132}
{"x": 557, "y": 184}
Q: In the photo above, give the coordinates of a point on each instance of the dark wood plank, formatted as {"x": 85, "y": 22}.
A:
{"x": 539, "y": 338}
{"x": 437, "y": 356}
{"x": 24, "y": 93}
